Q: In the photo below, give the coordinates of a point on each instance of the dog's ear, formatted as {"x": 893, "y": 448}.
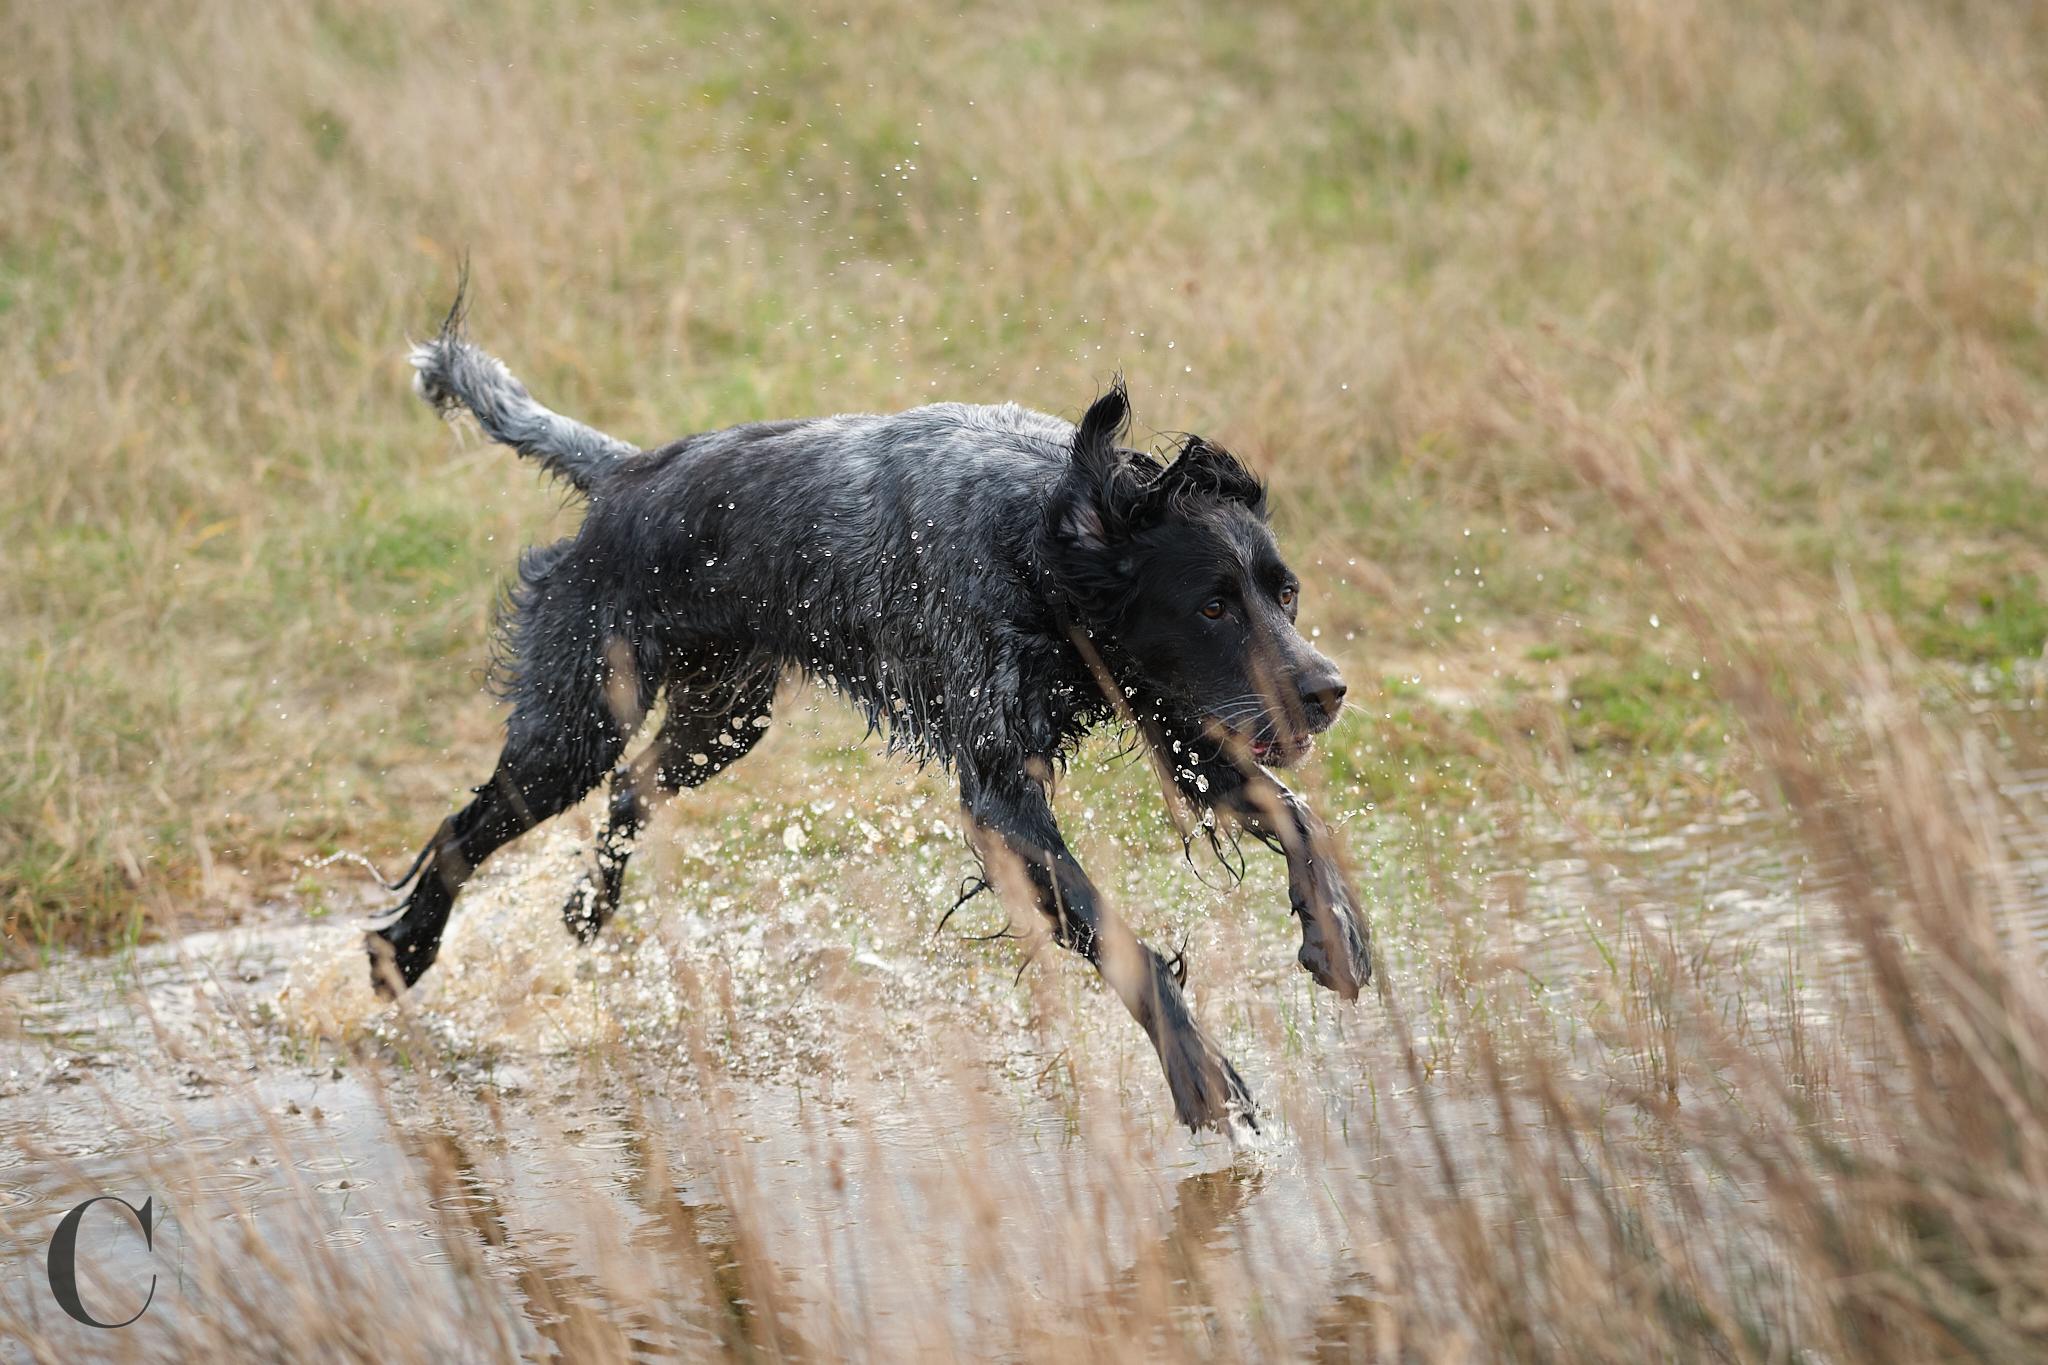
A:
{"x": 1102, "y": 429}
{"x": 1095, "y": 498}
{"x": 1205, "y": 470}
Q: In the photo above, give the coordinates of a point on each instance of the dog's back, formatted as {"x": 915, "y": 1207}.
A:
{"x": 902, "y": 541}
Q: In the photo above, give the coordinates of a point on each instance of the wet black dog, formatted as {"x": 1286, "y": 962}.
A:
{"x": 988, "y": 583}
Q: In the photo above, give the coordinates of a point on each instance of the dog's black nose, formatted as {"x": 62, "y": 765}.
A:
{"x": 1322, "y": 696}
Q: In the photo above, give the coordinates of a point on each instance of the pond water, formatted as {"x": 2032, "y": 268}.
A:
{"x": 765, "y": 1115}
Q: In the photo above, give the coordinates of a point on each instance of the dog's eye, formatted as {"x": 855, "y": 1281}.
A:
{"x": 1288, "y": 594}
{"x": 1213, "y": 609}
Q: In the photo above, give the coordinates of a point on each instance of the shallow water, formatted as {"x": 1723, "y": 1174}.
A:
{"x": 846, "y": 1122}
{"x": 189, "y": 1073}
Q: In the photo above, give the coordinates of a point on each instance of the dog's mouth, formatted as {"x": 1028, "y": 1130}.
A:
{"x": 1282, "y": 753}
{"x": 1272, "y": 751}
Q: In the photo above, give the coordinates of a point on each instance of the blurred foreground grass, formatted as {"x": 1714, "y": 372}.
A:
{"x": 246, "y": 579}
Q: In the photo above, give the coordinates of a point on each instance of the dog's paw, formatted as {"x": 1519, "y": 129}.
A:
{"x": 590, "y": 906}
{"x": 398, "y": 958}
{"x": 1333, "y": 945}
{"x": 1207, "y": 1091}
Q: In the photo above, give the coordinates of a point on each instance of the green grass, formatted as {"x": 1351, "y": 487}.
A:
{"x": 1646, "y": 704}
{"x": 1985, "y": 612}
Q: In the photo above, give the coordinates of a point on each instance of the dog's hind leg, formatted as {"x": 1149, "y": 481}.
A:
{"x": 713, "y": 720}
{"x": 1012, "y": 826}
{"x": 560, "y": 740}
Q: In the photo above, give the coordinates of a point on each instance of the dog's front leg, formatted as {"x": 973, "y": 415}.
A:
{"x": 1012, "y": 827}
{"x": 1335, "y": 946}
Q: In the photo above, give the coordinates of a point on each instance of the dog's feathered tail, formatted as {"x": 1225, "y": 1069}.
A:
{"x": 453, "y": 374}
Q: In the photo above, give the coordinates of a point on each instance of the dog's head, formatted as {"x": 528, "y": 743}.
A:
{"x": 1174, "y": 575}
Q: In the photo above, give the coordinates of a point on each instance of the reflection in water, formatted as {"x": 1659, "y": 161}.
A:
{"x": 1174, "y": 1268}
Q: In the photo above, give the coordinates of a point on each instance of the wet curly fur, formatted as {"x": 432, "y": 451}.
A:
{"x": 987, "y": 583}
